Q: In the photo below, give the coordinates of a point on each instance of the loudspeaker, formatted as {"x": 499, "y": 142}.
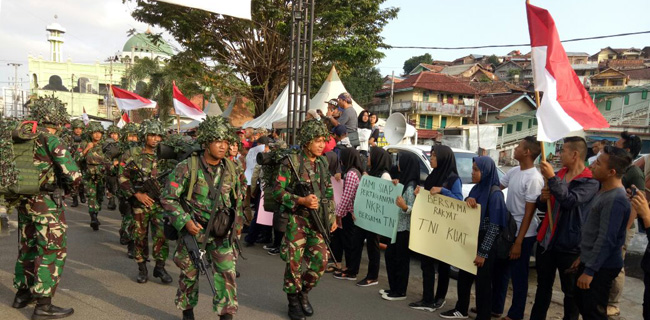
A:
{"x": 397, "y": 130}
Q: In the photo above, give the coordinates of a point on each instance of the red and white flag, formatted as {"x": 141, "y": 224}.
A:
{"x": 130, "y": 101}
{"x": 84, "y": 117}
{"x": 123, "y": 120}
{"x": 566, "y": 106}
{"x": 185, "y": 107}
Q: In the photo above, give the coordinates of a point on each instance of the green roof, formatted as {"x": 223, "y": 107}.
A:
{"x": 141, "y": 42}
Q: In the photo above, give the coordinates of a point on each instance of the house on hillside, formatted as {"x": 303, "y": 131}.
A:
{"x": 638, "y": 77}
{"x": 427, "y": 67}
{"x": 502, "y": 106}
{"x": 610, "y": 53}
{"x": 470, "y": 59}
{"x": 608, "y": 80}
{"x": 578, "y": 57}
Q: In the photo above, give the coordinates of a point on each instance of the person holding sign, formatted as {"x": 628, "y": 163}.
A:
{"x": 443, "y": 180}
{"x": 351, "y": 164}
{"x": 398, "y": 254}
{"x": 380, "y": 163}
{"x": 486, "y": 193}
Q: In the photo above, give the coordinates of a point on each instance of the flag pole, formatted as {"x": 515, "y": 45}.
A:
{"x": 178, "y": 123}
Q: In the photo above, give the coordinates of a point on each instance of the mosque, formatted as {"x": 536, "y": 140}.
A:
{"x": 86, "y": 86}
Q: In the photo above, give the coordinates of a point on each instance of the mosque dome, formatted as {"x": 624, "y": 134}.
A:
{"x": 142, "y": 43}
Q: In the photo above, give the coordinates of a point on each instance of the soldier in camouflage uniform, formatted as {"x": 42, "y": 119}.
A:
{"x": 41, "y": 220}
{"x": 214, "y": 134}
{"x": 140, "y": 165}
{"x": 111, "y": 146}
{"x": 129, "y": 139}
{"x": 96, "y": 162}
{"x": 74, "y": 142}
{"x": 303, "y": 241}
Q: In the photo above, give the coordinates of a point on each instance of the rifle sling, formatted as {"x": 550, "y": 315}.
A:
{"x": 213, "y": 195}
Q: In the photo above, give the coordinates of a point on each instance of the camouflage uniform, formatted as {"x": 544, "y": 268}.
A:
{"x": 74, "y": 143}
{"x": 220, "y": 252}
{"x": 94, "y": 176}
{"x": 112, "y": 146}
{"x": 41, "y": 219}
{"x": 126, "y": 228}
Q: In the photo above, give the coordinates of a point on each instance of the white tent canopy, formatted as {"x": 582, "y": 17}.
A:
{"x": 226, "y": 113}
{"x": 331, "y": 89}
{"x": 277, "y": 111}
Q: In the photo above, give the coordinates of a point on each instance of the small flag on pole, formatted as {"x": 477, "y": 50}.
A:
{"x": 123, "y": 120}
{"x": 185, "y": 107}
{"x": 84, "y": 117}
{"x": 130, "y": 101}
{"x": 237, "y": 8}
{"x": 566, "y": 106}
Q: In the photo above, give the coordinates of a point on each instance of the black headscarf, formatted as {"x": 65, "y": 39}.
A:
{"x": 364, "y": 124}
{"x": 333, "y": 161}
{"x": 350, "y": 159}
{"x": 380, "y": 162}
{"x": 445, "y": 171}
{"x": 409, "y": 167}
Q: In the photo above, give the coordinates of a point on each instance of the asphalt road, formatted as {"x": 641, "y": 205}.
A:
{"x": 99, "y": 282}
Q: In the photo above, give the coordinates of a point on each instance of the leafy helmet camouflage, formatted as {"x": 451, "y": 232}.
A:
{"x": 48, "y": 110}
{"x": 77, "y": 123}
{"x": 310, "y": 130}
{"x": 113, "y": 129}
{"x": 95, "y": 126}
{"x": 130, "y": 128}
{"x": 215, "y": 128}
{"x": 151, "y": 126}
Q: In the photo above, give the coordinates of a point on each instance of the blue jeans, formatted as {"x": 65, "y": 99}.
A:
{"x": 504, "y": 270}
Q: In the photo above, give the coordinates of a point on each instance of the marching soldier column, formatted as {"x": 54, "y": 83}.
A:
{"x": 96, "y": 167}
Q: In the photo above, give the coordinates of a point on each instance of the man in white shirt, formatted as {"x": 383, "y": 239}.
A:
{"x": 597, "y": 147}
{"x": 524, "y": 185}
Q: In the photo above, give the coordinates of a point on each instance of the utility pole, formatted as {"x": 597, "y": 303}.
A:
{"x": 478, "y": 119}
{"x": 15, "y": 95}
{"x": 72, "y": 95}
{"x": 109, "y": 102}
{"x": 392, "y": 88}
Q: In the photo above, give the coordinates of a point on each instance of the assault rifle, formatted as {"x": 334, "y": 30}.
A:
{"x": 149, "y": 185}
{"x": 197, "y": 255}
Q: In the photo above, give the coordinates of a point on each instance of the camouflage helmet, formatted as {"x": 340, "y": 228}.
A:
{"x": 113, "y": 129}
{"x": 95, "y": 126}
{"x": 151, "y": 126}
{"x": 48, "y": 110}
{"x": 310, "y": 130}
{"x": 130, "y": 128}
{"x": 215, "y": 128}
{"x": 77, "y": 123}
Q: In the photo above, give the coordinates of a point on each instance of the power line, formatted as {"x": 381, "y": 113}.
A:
{"x": 519, "y": 45}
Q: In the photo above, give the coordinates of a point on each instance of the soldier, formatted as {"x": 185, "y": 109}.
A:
{"x": 304, "y": 239}
{"x": 74, "y": 145}
{"x": 129, "y": 139}
{"x": 138, "y": 174}
{"x": 41, "y": 220}
{"x": 112, "y": 151}
{"x": 95, "y": 163}
{"x": 212, "y": 170}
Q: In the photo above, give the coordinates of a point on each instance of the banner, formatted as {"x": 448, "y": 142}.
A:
{"x": 338, "y": 190}
{"x": 374, "y": 206}
{"x": 264, "y": 217}
{"x": 445, "y": 229}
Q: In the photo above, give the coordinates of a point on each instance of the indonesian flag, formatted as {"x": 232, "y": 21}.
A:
{"x": 84, "y": 117}
{"x": 566, "y": 106}
{"x": 123, "y": 120}
{"x": 185, "y": 107}
{"x": 130, "y": 101}
{"x": 237, "y": 8}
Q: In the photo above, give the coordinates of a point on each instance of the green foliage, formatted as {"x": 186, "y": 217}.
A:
{"x": 414, "y": 61}
{"x": 346, "y": 34}
{"x": 494, "y": 60}
{"x": 310, "y": 130}
{"x": 513, "y": 72}
{"x": 215, "y": 129}
{"x": 48, "y": 110}
{"x": 362, "y": 84}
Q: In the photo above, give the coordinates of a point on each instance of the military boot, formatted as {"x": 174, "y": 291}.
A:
{"x": 188, "y": 314}
{"x": 111, "y": 204}
{"x": 124, "y": 239}
{"x": 75, "y": 201}
{"x": 143, "y": 274}
{"x": 82, "y": 196}
{"x": 94, "y": 223}
{"x": 304, "y": 303}
{"x": 23, "y": 298}
{"x": 295, "y": 310}
{"x": 160, "y": 272}
{"x": 226, "y": 316}
{"x": 46, "y": 310}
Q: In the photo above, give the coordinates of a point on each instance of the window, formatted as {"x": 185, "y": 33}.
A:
{"x": 530, "y": 123}
{"x": 426, "y": 122}
{"x": 519, "y": 125}
{"x": 509, "y": 129}
{"x": 450, "y": 99}
{"x": 465, "y": 121}
{"x": 425, "y": 96}
{"x": 500, "y": 131}
{"x": 608, "y": 105}
{"x": 627, "y": 100}
{"x": 644, "y": 94}
{"x": 535, "y": 121}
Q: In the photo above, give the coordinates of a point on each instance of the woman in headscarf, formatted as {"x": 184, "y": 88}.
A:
{"x": 443, "y": 180}
{"x": 352, "y": 168}
{"x": 379, "y": 163}
{"x": 374, "y": 136}
{"x": 488, "y": 194}
{"x": 398, "y": 253}
{"x": 365, "y": 129}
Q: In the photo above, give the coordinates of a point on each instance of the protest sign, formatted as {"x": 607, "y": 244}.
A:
{"x": 374, "y": 206}
{"x": 264, "y": 217}
{"x": 338, "y": 190}
{"x": 445, "y": 229}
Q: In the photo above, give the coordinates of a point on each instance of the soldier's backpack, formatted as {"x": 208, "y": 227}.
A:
{"x": 20, "y": 177}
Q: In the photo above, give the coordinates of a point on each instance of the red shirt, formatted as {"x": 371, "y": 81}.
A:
{"x": 329, "y": 146}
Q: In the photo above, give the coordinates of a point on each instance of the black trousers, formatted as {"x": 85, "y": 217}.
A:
{"x": 398, "y": 262}
{"x": 336, "y": 239}
{"x": 547, "y": 263}
{"x": 256, "y": 230}
{"x": 350, "y": 249}
{"x": 483, "y": 279}
{"x": 277, "y": 238}
{"x": 592, "y": 302}
{"x": 374, "y": 255}
{"x": 646, "y": 295}
{"x": 428, "y": 266}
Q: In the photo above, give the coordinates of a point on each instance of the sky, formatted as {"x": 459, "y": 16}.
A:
{"x": 97, "y": 29}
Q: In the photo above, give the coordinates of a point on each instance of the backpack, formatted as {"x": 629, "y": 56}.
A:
{"x": 20, "y": 177}
{"x": 506, "y": 238}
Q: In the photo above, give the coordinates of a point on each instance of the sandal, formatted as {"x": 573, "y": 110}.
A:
{"x": 332, "y": 268}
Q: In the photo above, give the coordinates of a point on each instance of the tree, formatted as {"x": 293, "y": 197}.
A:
{"x": 414, "y": 61}
{"x": 362, "y": 84}
{"x": 494, "y": 60}
{"x": 346, "y": 33}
